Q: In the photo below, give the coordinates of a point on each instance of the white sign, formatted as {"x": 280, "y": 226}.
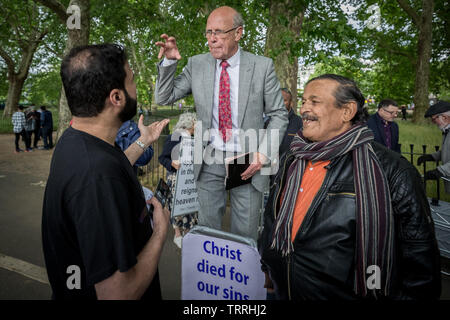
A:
{"x": 185, "y": 200}
{"x": 218, "y": 269}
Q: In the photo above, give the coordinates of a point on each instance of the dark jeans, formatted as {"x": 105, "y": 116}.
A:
{"x": 47, "y": 137}
{"x": 24, "y": 135}
{"x": 30, "y": 138}
{"x": 37, "y": 136}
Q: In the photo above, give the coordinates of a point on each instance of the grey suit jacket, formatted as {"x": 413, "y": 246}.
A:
{"x": 259, "y": 92}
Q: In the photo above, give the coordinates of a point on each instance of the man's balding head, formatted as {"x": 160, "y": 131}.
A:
{"x": 89, "y": 73}
{"x": 224, "y": 26}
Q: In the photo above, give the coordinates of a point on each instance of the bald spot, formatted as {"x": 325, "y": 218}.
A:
{"x": 223, "y": 13}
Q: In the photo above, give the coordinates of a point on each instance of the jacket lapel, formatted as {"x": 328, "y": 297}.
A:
{"x": 208, "y": 81}
{"x": 246, "y": 68}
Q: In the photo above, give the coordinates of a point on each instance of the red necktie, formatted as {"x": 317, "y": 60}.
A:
{"x": 224, "y": 103}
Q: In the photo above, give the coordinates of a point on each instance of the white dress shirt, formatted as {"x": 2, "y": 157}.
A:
{"x": 232, "y": 145}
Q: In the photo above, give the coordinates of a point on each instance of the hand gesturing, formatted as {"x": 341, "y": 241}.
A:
{"x": 168, "y": 48}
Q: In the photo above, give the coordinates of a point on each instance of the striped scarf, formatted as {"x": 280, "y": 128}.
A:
{"x": 374, "y": 215}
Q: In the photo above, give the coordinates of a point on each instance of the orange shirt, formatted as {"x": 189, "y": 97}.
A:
{"x": 311, "y": 182}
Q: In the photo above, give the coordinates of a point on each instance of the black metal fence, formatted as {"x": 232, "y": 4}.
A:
{"x": 151, "y": 173}
{"x": 411, "y": 154}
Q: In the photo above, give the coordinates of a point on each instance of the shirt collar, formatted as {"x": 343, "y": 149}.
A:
{"x": 232, "y": 61}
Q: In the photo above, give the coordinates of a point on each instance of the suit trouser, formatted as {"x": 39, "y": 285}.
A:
{"x": 245, "y": 202}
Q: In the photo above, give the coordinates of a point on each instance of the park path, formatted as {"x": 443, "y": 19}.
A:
{"x": 22, "y": 267}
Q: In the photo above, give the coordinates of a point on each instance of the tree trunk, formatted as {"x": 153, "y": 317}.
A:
{"x": 13, "y": 97}
{"x": 280, "y": 39}
{"x": 75, "y": 38}
{"x": 421, "y": 92}
{"x": 17, "y": 79}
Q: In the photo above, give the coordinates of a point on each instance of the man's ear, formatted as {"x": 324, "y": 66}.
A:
{"x": 239, "y": 33}
{"x": 116, "y": 98}
{"x": 349, "y": 111}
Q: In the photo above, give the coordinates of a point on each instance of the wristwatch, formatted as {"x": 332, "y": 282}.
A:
{"x": 141, "y": 144}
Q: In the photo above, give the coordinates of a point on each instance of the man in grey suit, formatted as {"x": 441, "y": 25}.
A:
{"x": 231, "y": 89}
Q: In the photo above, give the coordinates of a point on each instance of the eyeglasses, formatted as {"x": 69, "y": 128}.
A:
{"x": 218, "y": 33}
{"x": 392, "y": 113}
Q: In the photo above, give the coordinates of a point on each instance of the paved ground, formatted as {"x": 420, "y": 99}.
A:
{"x": 22, "y": 183}
{"x": 22, "y": 272}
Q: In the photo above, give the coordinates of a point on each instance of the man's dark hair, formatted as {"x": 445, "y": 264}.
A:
{"x": 89, "y": 73}
{"x": 287, "y": 91}
{"x": 386, "y": 103}
{"x": 20, "y": 107}
{"x": 347, "y": 91}
{"x": 43, "y": 108}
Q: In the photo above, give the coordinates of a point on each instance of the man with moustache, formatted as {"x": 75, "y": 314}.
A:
{"x": 97, "y": 236}
{"x": 347, "y": 218}
{"x": 232, "y": 89}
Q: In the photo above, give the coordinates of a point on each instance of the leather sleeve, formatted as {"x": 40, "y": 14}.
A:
{"x": 418, "y": 259}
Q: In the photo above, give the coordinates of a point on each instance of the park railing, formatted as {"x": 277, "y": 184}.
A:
{"x": 150, "y": 174}
{"x": 411, "y": 154}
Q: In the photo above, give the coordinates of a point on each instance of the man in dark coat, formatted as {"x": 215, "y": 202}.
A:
{"x": 385, "y": 130}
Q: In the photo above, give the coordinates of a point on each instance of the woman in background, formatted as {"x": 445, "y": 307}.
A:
{"x": 169, "y": 158}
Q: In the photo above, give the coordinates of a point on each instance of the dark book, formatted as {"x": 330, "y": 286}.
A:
{"x": 234, "y": 167}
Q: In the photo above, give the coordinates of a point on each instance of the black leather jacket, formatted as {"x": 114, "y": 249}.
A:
{"x": 322, "y": 264}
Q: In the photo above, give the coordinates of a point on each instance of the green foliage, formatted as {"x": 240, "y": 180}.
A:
{"x": 43, "y": 88}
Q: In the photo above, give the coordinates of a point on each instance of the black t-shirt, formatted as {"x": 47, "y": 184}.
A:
{"x": 94, "y": 216}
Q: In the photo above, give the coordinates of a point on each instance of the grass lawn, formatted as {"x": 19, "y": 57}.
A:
{"x": 419, "y": 135}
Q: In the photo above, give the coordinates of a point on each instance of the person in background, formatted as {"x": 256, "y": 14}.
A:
{"x": 127, "y": 135}
{"x": 403, "y": 108}
{"x": 382, "y": 123}
{"x": 37, "y": 128}
{"x": 295, "y": 122}
{"x": 47, "y": 128}
{"x": 19, "y": 122}
{"x": 347, "y": 218}
{"x": 440, "y": 116}
{"x": 30, "y": 125}
{"x": 169, "y": 159}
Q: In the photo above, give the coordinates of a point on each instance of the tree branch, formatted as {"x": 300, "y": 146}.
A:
{"x": 399, "y": 52}
{"x": 410, "y": 11}
{"x": 57, "y": 7}
{"x": 8, "y": 60}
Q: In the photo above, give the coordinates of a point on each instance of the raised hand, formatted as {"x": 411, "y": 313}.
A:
{"x": 168, "y": 48}
{"x": 151, "y": 133}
